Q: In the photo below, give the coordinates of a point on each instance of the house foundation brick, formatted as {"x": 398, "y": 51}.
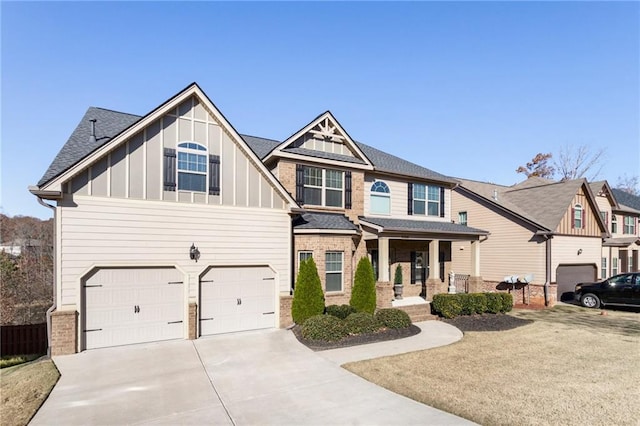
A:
{"x": 193, "y": 321}
{"x": 64, "y": 332}
{"x": 384, "y": 295}
{"x": 286, "y": 319}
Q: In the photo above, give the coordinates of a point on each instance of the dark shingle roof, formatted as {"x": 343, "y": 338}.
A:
{"x": 626, "y": 199}
{"x": 329, "y": 221}
{"x": 260, "y": 146}
{"x": 406, "y": 225}
{"x": 108, "y": 124}
{"x": 325, "y": 155}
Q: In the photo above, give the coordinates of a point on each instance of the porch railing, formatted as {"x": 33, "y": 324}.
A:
{"x": 462, "y": 283}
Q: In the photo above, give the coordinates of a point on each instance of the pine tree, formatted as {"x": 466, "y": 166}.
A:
{"x": 308, "y": 298}
{"x": 363, "y": 293}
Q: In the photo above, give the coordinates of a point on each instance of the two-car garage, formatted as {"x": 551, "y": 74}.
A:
{"x": 146, "y": 304}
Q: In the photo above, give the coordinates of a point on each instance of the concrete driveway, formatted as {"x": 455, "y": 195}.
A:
{"x": 252, "y": 378}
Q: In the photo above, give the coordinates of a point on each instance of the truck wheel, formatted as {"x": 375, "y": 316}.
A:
{"x": 590, "y": 300}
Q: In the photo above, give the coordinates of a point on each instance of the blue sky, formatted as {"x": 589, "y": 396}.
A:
{"x": 468, "y": 89}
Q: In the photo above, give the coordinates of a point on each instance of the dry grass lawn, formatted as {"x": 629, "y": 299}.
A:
{"x": 23, "y": 389}
{"x": 572, "y": 366}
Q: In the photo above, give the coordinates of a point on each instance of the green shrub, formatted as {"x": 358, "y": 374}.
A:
{"x": 507, "y": 302}
{"x": 447, "y": 305}
{"x": 393, "y": 318}
{"x": 362, "y": 322}
{"x": 363, "y": 293}
{"x": 397, "y": 279}
{"x": 340, "y": 311}
{"x": 477, "y": 303}
{"x": 494, "y": 302}
{"x": 326, "y": 328}
{"x": 308, "y": 298}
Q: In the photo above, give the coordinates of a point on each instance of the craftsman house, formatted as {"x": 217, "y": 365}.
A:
{"x": 545, "y": 236}
{"x": 174, "y": 225}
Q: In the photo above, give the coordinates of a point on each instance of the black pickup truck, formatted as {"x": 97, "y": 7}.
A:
{"x": 619, "y": 290}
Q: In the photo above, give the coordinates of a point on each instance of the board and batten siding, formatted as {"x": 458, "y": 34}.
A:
{"x": 114, "y": 232}
{"x": 590, "y": 224}
{"x": 398, "y": 190}
{"x": 564, "y": 251}
{"x": 134, "y": 169}
{"x": 510, "y": 248}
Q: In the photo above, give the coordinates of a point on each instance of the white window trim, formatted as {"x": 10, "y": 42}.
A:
{"x": 614, "y": 266}
{"x": 300, "y": 253}
{"x": 629, "y": 227}
{"x": 204, "y": 153}
{"x": 603, "y": 268}
{"x": 614, "y": 224}
{"x": 426, "y": 200}
{"x": 326, "y": 272}
{"x": 382, "y": 195}
{"x": 324, "y": 188}
{"x": 466, "y": 218}
{"x": 578, "y": 208}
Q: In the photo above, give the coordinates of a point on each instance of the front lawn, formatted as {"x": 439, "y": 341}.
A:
{"x": 570, "y": 366}
{"x": 24, "y": 388}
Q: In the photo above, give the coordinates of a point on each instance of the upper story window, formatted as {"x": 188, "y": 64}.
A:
{"x": 192, "y": 167}
{"x": 380, "y": 198}
{"x": 323, "y": 187}
{"x": 629, "y": 225}
{"x": 614, "y": 224}
{"x": 426, "y": 200}
{"x": 578, "y": 219}
{"x": 462, "y": 218}
{"x": 604, "y": 216}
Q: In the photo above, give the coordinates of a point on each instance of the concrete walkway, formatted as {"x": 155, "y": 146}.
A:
{"x": 253, "y": 378}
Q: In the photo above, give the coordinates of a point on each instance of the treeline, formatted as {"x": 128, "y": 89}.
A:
{"x": 26, "y": 269}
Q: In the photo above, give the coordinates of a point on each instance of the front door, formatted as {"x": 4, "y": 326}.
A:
{"x": 419, "y": 267}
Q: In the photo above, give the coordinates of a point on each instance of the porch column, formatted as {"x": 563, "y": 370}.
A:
{"x": 434, "y": 260}
{"x": 383, "y": 259}
{"x": 475, "y": 258}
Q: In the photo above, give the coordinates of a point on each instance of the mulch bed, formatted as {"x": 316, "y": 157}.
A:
{"x": 360, "y": 339}
{"x": 486, "y": 322}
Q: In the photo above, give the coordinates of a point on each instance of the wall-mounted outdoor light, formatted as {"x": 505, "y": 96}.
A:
{"x": 579, "y": 252}
{"x": 194, "y": 253}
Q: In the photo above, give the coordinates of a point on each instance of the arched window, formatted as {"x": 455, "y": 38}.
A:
{"x": 578, "y": 219}
{"x": 380, "y": 198}
{"x": 192, "y": 167}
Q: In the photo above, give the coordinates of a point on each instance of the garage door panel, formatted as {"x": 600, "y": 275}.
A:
{"x": 567, "y": 276}
{"x": 222, "y": 288}
{"x": 133, "y": 305}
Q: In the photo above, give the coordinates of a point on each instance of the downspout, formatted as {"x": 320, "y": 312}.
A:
{"x": 548, "y": 270}
{"x": 55, "y": 298}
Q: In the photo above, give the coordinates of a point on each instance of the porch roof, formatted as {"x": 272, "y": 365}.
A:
{"x": 420, "y": 226}
{"x": 621, "y": 242}
{"x": 315, "y": 221}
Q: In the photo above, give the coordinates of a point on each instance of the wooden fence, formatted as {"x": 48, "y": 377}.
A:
{"x": 23, "y": 339}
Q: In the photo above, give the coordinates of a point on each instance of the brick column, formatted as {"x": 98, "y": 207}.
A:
{"x": 64, "y": 332}
{"x": 285, "y": 310}
{"x": 193, "y": 321}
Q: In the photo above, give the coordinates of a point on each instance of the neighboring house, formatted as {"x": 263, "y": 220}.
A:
{"x": 544, "y": 233}
{"x": 173, "y": 225}
{"x": 620, "y": 251}
{"x": 14, "y": 248}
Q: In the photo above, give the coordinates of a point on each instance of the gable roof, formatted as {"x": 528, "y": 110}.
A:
{"x": 625, "y": 199}
{"x": 109, "y": 124}
{"x": 77, "y": 156}
{"x": 602, "y": 186}
{"x": 323, "y": 221}
{"x": 539, "y": 201}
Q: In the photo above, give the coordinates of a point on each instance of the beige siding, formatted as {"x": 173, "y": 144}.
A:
{"x": 135, "y": 168}
{"x": 510, "y": 249}
{"x": 399, "y": 199}
{"x": 564, "y": 251}
{"x": 115, "y": 232}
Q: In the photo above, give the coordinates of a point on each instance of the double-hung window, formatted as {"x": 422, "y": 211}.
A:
{"x": 304, "y": 255}
{"x": 629, "y": 225}
{"x": 577, "y": 216}
{"x": 323, "y": 187}
{"x": 426, "y": 199}
{"x": 462, "y": 218}
{"x": 614, "y": 266}
{"x": 333, "y": 270}
{"x": 603, "y": 268}
{"x": 192, "y": 167}
{"x": 614, "y": 224}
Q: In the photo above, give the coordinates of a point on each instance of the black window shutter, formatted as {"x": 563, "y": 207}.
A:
{"x": 573, "y": 218}
{"x": 214, "y": 175}
{"x": 347, "y": 190}
{"x": 169, "y": 169}
{"x": 300, "y": 184}
{"x": 410, "y": 201}
{"x": 413, "y": 266}
{"x": 442, "y": 201}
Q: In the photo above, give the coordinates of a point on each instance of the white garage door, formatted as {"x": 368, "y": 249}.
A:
{"x": 132, "y": 305}
{"x": 237, "y": 299}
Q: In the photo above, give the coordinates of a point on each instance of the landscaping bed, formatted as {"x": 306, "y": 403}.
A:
{"x": 486, "y": 322}
{"x": 360, "y": 339}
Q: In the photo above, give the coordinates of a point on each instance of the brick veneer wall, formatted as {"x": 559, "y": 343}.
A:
{"x": 286, "y": 319}
{"x": 521, "y": 293}
{"x": 64, "y": 332}
{"x": 193, "y": 321}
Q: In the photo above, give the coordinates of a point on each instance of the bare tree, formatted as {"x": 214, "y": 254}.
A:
{"x": 539, "y": 166}
{"x": 575, "y": 163}
{"x": 629, "y": 184}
